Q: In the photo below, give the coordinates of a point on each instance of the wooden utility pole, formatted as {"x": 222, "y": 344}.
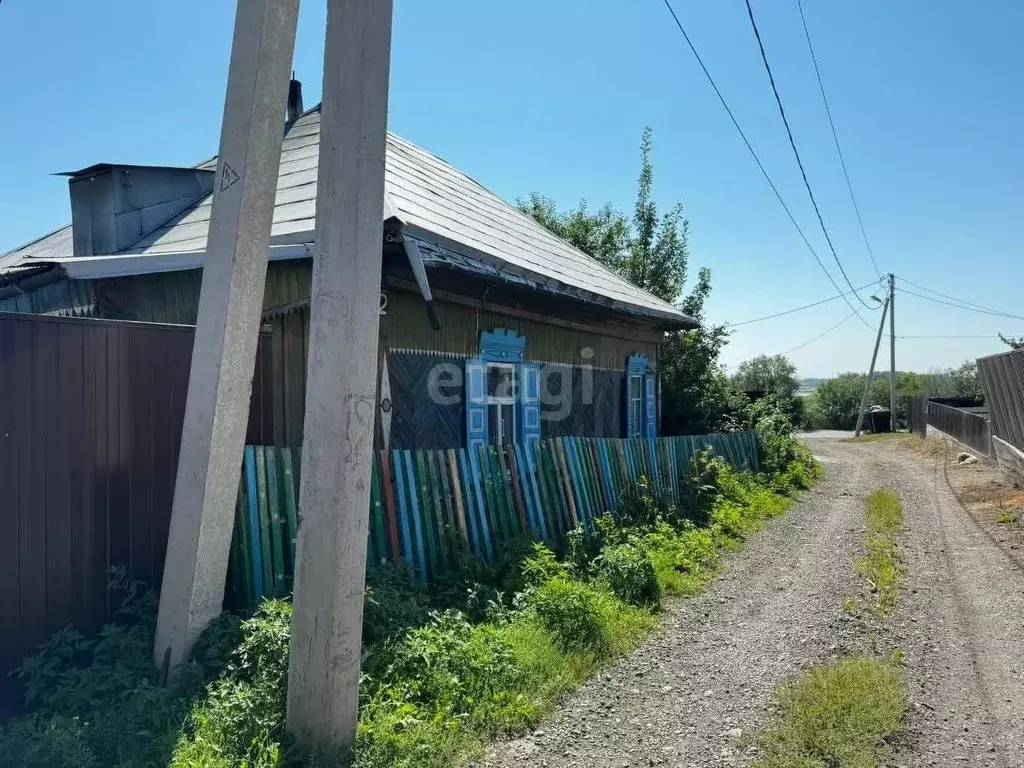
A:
{"x": 892, "y": 351}
{"x": 326, "y": 638}
{"x": 871, "y": 371}
{"x": 227, "y": 329}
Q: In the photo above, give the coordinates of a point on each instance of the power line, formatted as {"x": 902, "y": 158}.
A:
{"x": 796, "y": 153}
{"x": 821, "y": 335}
{"x": 954, "y": 298}
{"x": 980, "y": 311}
{"x": 987, "y": 336}
{"x": 757, "y": 159}
{"x": 797, "y": 309}
{"x": 835, "y": 136}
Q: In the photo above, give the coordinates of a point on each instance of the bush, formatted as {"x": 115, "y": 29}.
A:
{"x": 241, "y": 718}
{"x": 570, "y": 612}
{"x": 631, "y": 575}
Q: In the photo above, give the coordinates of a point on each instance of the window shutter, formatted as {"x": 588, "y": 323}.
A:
{"x": 630, "y": 428}
{"x": 650, "y": 406}
{"x": 476, "y": 405}
{"x": 529, "y": 403}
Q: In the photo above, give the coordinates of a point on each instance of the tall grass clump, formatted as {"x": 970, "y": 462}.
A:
{"x": 840, "y": 715}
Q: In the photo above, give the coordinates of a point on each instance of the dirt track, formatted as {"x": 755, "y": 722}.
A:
{"x": 696, "y": 690}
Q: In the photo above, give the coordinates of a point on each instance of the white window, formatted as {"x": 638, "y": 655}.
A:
{"x": 501, "y": 402}
{"x": 636, "y": 406}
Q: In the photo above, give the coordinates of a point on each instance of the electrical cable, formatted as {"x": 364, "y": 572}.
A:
{"x": 757, "y": 159}
{"x": 835, "y": 137}
{"x": 979, "y": 310}
{"x": 796, "y": 153}
{"x": 797, "y": 309}
{"x": 954, "y": 298}
{"x": 820, "y": 335}
{"x": 987, "y": 336}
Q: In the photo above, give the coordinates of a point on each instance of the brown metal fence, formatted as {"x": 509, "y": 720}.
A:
{"x": 1003, "y": 379}
{"x": 917, "y": 414}
{"x": 90, "y": 424}
{"x": 971, "y": 429}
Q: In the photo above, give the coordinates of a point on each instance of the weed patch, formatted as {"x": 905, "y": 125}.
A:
{"x": 880, "y": 566}
{"x": 838, "y": 716}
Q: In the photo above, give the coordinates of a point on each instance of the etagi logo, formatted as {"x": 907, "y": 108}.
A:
{"x": 446, "y": 384}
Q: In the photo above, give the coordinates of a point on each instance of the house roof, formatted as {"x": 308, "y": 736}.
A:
{"x": 456, "y": 220}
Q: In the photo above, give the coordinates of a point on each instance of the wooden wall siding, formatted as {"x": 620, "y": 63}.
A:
{"x": 90, "y": 423}
{"x": 602, "y": 416}
{"x": 405, "y": 327}
{"x": 1003, "y": 379}
{"x": 428, "y": 506}
{"x": 416, "y": 420}
{"x": 65, "y": 298}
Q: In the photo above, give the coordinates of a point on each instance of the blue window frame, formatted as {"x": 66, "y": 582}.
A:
{"x": 641, "y": 398}
{"x": 502, "y": 392}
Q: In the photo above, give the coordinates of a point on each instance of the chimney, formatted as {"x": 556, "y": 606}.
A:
{"x": 115, "y": 206}
{"x": 294, "y": 99}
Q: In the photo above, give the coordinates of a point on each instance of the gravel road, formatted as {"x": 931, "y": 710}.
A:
{"x": 694, "y": 693}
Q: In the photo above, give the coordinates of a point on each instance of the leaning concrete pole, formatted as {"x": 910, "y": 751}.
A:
{"x": 219, "y": 387}
{"x": 334, "y": 503}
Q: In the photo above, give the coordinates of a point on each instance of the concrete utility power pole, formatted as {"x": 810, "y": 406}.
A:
{"x": 892, "y": 351}
{"x": 227, "y": 329}
{"x": 871, "y": 371}
{"x": 334, "y": 504}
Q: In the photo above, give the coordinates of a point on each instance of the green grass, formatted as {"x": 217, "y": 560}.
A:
{"x": 881, "y": 566}
{"x": 879, "y": 437}
{"x": 838, "y": 716}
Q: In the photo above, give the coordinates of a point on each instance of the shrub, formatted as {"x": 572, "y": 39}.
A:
{"x": 542, "y": 566}
{"x": 241, "y": 718}
{"x": 631, "y": 574}
{"x": 570, "y": 612}
{"x": 448, "y": 681}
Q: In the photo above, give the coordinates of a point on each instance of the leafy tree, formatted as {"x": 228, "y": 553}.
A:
{"x": 1013, "y": 342}
{"x": 602, "y": 234}
{"x": 838, "y": 400}
{"x": 770, "y": 374}
{"x": 651, "y": 250}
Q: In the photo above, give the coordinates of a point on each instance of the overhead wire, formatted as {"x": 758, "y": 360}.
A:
{"x": 954, "y": 298}
{"x": 979, "y": 310}
{"x": 796, "y": 152}
{"x": 986, "y": 336}
{"x": 835, "y": 137}
{"x": 757, "y": 160}
{"x": 798, "y": 309}
{"x": 820, "y": 335}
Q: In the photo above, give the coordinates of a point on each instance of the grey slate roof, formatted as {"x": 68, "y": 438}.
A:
{"x": 437, "y": 204}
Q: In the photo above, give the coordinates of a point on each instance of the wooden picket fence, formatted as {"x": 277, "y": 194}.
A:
{"x": 429, "y": 506}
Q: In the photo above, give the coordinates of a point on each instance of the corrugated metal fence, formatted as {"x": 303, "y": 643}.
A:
{"x": 1003, "y": 378}
{"x": 90, "y": 424}
{"x": 971, "y": 429}
{"x": 429, "y": 506}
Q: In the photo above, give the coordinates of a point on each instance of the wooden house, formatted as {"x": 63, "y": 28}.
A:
{"x": 492, "y": 329}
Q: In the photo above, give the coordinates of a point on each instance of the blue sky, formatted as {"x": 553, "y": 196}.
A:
{"x": 552, "y": 97}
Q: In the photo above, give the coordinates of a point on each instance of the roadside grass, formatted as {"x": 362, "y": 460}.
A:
{"x": 881, "y": 567}
{"x": 838, "y": 716}
{"x": 881, "y": 437}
